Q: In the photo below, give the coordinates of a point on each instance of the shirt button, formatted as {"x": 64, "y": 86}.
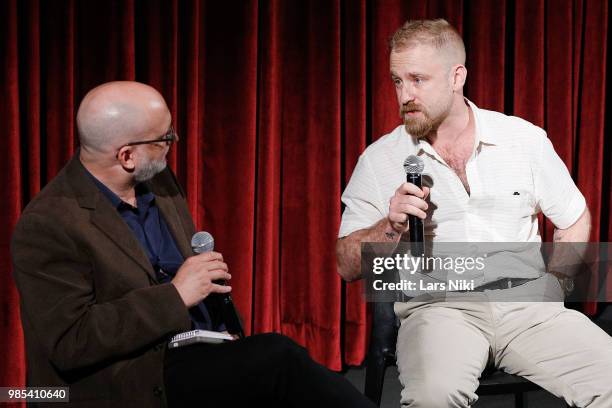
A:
{"x": 158, "y": 391}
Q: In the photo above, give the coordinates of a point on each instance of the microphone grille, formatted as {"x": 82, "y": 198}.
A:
{"x": 202, "y": 242}
{"x": 413, "y": 165}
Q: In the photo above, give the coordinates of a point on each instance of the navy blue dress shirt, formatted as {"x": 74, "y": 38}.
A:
{"x": 149, "y": 227}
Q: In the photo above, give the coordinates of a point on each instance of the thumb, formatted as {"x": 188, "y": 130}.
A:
{"x": 425, "y": 192}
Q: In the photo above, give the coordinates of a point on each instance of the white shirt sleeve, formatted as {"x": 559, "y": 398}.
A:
{"x": 364, "y": 206}
{"x": 557, "y": 194}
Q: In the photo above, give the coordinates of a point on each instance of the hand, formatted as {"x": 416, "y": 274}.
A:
{"x": 407, "y": 200}
{"x": 234, "y": 336}
{"x": 194, "y": 280}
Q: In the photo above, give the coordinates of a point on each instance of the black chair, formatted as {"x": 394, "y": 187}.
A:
{"x": 381, "y": 355}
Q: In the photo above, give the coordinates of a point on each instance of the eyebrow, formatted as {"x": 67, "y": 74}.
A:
{"x": 411, "y": 74}
{"x": 168, "y": 132}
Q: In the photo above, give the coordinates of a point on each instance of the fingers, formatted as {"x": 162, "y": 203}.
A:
{"x": 217, "y": 275}
{"x": 417, "y": 209}
{"x": 409, "y": 188}
{"x": 408, "y": 200}
{"x": 426, "y": 191}
{"x": 209, "y": 261}
{"x": 208, "y": 256}
{"x": 403, "y": 205}
{"x": 216, "y": 288}
{"x": 215, "y": 266}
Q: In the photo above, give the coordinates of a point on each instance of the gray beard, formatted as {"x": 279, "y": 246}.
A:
{"x": 149, "y": 170}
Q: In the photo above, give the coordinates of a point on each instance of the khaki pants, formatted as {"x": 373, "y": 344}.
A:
{"x": 443, "y": 347}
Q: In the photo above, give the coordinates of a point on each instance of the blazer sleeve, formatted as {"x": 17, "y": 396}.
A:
{"x": 54, "y": 279}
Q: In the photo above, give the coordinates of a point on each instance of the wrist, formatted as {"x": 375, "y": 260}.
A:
{"x": 566, "y": 282}
{"x": 390, "y": 233}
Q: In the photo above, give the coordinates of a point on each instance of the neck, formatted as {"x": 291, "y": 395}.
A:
{"x": 108, "y": 174}
{"x": 455, "y": 125}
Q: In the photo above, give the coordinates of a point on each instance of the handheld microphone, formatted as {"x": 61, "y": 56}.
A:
{"x": 414, "y": 167}
{"x": 202, "y": 242}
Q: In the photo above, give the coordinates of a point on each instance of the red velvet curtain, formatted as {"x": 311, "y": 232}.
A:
{"x": 274, "y": 101}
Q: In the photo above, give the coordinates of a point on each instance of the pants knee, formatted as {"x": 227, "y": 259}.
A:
{"x": 283, "y": 348}
{"x": 436, "y": 395}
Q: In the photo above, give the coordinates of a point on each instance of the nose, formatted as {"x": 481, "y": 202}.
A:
{"x": 406, "y": 94}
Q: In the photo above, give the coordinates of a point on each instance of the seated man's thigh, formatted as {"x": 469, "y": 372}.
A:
{"x": 562, "y": 351}
{"x": 232, "y": 373}
{"x": 441, "y": 352}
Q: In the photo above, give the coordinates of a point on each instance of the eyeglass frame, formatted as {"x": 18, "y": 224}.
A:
{"x": 173, "y": 138}
{"x": 161, "y": 139}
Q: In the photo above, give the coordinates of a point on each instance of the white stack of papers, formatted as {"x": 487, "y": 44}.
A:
{"x": 198, "y": 336}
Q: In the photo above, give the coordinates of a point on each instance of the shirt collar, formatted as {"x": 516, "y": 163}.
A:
{"x": 483, "y": 135}
{"x": 144, "y": 196}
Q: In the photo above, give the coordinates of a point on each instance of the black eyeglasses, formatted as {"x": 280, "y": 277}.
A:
{"x": 168, "y": 138}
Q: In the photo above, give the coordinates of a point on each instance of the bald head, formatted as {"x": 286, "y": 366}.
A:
{"x": 117, "y": 113}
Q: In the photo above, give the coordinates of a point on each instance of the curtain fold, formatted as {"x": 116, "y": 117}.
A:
{"x": 266, "y": 290}
{"x": 354, "y": 135}
{"x": 274, "y": 101}
{"x": 310, "y": 176}
{"x": 12, "y": 367}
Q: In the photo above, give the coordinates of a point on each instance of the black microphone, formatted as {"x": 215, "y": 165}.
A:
{"x": 414, "y": 167}
{"x": 204, "y": 242}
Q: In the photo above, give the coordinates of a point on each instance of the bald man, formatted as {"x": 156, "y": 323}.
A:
{"x": 106, "y": 275}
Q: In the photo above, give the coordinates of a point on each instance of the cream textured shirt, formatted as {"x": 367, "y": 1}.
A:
{"x": 513, "y": 174}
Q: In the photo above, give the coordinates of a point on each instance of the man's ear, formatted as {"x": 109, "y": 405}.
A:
{"x": 459, "y": 75}
{"x": 125, "y": 155}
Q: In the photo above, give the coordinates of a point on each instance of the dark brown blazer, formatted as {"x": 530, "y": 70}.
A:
{"x": 94, "y": 317}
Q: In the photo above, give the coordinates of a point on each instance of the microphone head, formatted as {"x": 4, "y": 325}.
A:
{"x": 414, "y": 165}
{"x": 202, "y": 242}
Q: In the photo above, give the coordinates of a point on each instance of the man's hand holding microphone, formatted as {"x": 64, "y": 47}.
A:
{"x": 407, "y": 200}
{"x": 407, "y": 206}
{"x": 195, "y": 279}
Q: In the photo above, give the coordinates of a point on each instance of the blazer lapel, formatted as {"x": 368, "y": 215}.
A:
{"x": 167, "y": 208}
{"x": 169, "y": 198}
{"x": 104, "y": 216}
{"x": 108, "y": 220}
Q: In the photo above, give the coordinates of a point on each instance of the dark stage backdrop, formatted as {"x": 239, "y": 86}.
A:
{"x": 274, "y": 101}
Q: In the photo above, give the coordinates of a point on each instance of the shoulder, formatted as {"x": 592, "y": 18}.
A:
{"x": 509, "y": 129}
{"x": 61, "y": 208}
{"x": 56, "y": 198}
{"x": 51, "y": 221}
{"x": 520, "y": 141}
{"x": 390, "y": 147}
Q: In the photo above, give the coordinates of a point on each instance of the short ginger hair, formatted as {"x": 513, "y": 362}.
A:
{"x": 437, "y": 33}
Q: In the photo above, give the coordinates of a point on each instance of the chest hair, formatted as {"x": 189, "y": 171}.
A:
{"x": 457, "y": 157}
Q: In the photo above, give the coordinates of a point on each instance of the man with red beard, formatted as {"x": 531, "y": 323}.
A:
{"x": 491, "y": 175}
